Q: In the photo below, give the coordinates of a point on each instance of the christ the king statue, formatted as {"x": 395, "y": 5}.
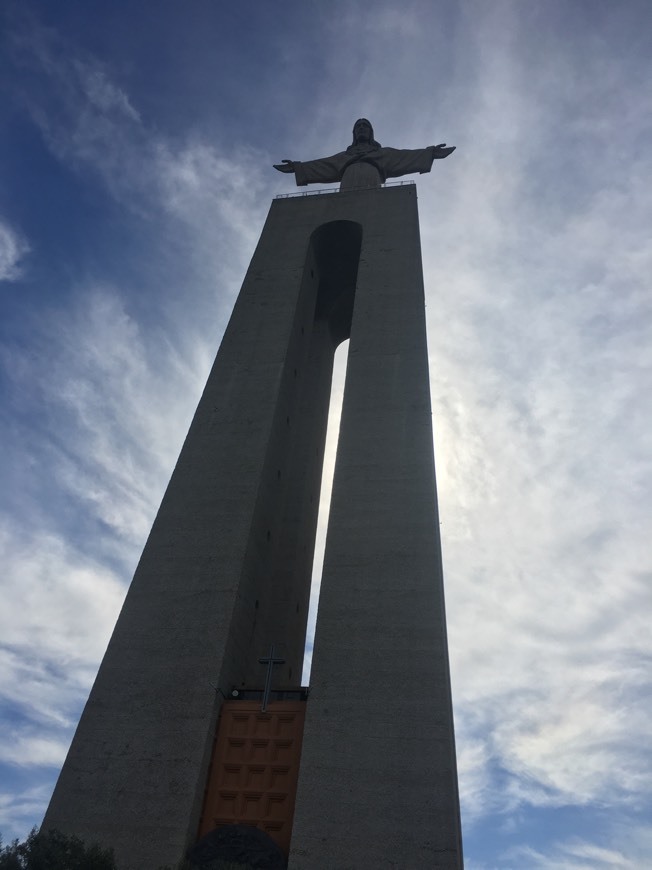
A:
{"x": 365, "y": 163}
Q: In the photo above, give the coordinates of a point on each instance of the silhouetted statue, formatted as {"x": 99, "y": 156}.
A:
{"x": 365, "y": 163}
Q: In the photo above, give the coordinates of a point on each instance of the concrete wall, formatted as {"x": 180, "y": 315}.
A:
{"x": 226, "y": 569}
{"x": 378, "y": 784}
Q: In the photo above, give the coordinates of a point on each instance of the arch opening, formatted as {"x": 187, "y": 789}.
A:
{"x": 282, "y": 543}
{"x": 336, "y": 247}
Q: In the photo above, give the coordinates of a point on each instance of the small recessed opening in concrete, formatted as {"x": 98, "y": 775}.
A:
{"x": 332, "y": 433}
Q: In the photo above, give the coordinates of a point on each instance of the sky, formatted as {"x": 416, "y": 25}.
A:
{"x": 135, "y": 177}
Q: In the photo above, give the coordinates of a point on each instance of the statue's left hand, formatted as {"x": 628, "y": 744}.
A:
{"x": 286, "y": 166}
{"x": 442, "y": 150}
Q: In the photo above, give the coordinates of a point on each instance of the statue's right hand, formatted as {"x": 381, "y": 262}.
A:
{"x": 442, "y": 150}
{"x": 286, "y": 166}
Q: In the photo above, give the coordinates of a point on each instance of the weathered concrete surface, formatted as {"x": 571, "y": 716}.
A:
{"x": 378, "y": 784}
{"x": 226, "y": 569}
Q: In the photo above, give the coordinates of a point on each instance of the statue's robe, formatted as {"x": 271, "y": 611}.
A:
{"x": 364, "y": 167}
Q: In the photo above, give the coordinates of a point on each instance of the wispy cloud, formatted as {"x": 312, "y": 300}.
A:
{"x": 18, "y": 809}
{"x": 59, "y": 609}
{"x": 13, "y": 247}
{"x": 100, "y": 400}
{"x": 90, "y": 124}
{"x": 572, "y": 855}
{"x": 538, "y": 309}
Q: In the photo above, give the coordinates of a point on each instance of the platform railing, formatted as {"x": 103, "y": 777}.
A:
{"x": 337, "y": 190}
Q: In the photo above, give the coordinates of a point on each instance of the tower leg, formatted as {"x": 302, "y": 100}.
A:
{"x": 378, "y": 784}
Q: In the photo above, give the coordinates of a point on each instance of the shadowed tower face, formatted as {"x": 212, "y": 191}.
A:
{"x": 226, "y": 571}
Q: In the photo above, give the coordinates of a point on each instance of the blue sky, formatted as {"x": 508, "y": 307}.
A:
{"x": 135, "y": 178}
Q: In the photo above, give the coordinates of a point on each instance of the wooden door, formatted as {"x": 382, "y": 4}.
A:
{"x": 255, "y": 766}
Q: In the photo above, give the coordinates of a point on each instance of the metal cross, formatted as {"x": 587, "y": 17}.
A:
{"x": 270, "y": 661}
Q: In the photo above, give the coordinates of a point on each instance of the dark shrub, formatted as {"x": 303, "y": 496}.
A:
{"x": 54, "y": 851}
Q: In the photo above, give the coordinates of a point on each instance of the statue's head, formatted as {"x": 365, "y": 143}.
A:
{"x": 363, "y": 133}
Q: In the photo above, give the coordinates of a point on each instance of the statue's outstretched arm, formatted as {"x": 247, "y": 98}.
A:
{"x": 285, "y": 166}
{"x": 441, "y": 151}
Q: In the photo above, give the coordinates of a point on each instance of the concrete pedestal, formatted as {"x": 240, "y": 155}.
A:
{"x": 226, "y": 570}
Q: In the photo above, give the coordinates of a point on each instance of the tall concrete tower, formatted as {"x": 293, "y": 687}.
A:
{"x": 224, "y": 579}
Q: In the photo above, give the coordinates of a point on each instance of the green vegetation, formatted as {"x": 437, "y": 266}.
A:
{"x": 213, "y": 865}
{"x": 54, "y": 851}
